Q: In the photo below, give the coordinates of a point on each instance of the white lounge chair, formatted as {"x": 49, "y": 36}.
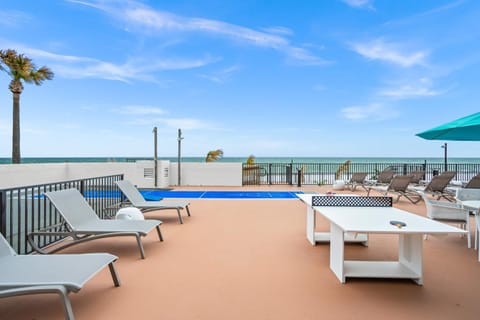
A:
{"x": 59, "y": 273}
{"x": 83, "y": 224}
{"x": 137, "y": 200}
{"x": 449, "y": 213}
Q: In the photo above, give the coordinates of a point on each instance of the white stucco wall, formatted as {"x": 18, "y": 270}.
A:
{"x": 206, "y": 174}
{"x": 141, "y": 173}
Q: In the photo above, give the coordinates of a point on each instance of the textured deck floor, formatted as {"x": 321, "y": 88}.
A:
{"x": 249, "y": 259}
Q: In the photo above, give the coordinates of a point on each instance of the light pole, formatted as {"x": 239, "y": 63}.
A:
{"x": 445, "y": 155}
{"x": 180, "y": 138}
{"x": 155, "y": 155}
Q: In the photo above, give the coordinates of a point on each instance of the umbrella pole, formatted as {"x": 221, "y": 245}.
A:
{"x": 445, "y": 156}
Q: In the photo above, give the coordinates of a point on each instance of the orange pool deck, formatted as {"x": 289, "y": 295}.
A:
{"x": 250, "y": 259}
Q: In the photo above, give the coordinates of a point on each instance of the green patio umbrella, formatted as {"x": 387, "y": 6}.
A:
{"x": 463, "y": 129}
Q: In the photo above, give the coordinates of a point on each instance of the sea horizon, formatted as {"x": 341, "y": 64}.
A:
{"x": 284, "y": 159}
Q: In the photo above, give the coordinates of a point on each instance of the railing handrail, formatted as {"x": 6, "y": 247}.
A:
{"x": 323, "y": 172}
{"x": 24, "y": 209}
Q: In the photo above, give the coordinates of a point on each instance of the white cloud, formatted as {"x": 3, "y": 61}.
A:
{"x": 420, "y": 88}
{"x": 370, "y": 112}
{"x": 360, "y": 3}
{"x": 144, "y": 19}
{"x": 12, "y": 18}
{"x": 184, "y": 123}
{"x": 278, "y": 30}
{"x": 222, "y": 75}
{"x": 408, "y": 91}
{"x": 140, "y": 110}
{"x": 79, "y": 67}
{"x": 390, "y": 52}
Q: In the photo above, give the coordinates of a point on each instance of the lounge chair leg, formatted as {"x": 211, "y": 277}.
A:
{"x": 159, "y": 233}
{"x": 179, "y": 216}
{"x": 140, "y": 246}
{"x": 67, "y": 305}
{"x": 113, "y": 272}
{"x": 188, "y": 211}
{"x": 58, "y": 289}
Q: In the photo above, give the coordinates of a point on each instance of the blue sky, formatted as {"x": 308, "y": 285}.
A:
{"x": 332, "y": 78}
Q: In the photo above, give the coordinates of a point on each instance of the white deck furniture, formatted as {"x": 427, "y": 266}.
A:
{"x": 314, "y": 236}
{"x": 475, "y": 206}
{"x": 365, "y": 220}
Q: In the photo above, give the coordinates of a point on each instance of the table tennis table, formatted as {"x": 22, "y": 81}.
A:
{"x": 350, "y": 216}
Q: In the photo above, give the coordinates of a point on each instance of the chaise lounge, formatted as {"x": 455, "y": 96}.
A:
{"x": 438, "y": 186}
{"x": 398, "y": 186}
{"x": 137, "y": 200}
{"x": 357, "y": 179}
{"x": 59, "y": 274}
{"x": 81, "y": 223}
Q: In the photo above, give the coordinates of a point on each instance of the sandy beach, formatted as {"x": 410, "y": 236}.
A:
{"x": 249, "y": 259}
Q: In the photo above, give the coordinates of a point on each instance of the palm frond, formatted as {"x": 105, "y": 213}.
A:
{"x": 214, "y": 155}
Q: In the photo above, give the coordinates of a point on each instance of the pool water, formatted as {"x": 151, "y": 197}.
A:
{"x": 154, "y": 195}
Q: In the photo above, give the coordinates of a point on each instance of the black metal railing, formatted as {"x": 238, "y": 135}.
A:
{"x": 324, "y": 173}
{"x": 25, "y": 209}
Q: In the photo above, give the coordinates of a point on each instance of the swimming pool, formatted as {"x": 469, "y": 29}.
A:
{"x": 154, "y": 195}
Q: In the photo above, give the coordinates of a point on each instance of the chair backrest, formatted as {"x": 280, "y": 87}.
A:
{"x": 5, "y": 249}
{"x": 439, "y": 183}
{"x": 358, "y": 177}
{"x": 442, "y": 210}
{"x": 467, "y": 194}
{"x": 417, "y": 176}
{"x": 130, "y": 191}
{"x": 385, "y": 176}
{"x": 474, "y": 183}
{"x": 73, "y": 207}
{"x": 449, "y": 174}
{"x": 399, "y": 183}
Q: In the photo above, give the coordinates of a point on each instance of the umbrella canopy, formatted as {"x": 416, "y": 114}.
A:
{"x": 463, "y": 129}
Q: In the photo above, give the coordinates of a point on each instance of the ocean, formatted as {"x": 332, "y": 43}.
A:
{"x": 257, "y": 159}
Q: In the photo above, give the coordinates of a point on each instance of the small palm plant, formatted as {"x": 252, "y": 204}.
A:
{"x": 343, "y": 168}
{"x": 214, "y": 155}
{"x": 250, "y": 160}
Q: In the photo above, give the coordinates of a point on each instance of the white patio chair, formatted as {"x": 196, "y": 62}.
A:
{"x": 448, "y": 212}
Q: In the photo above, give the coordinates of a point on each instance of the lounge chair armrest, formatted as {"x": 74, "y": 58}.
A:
{"x": 449, "y": 205}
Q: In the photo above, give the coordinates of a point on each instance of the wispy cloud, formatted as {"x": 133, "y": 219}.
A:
{"x": 184, "y": 123}
{"x": 360, "y": 3}
{"x": 140, "y": 110}
{"x": 141, "y": 18}
{"x": 78, "y": 67}
{"x": 431, "y": 12}
{"x": 12, "y": 18}
{"x": 221, "y": 76}
{"x": 420, "y": 88}
{"x": 278, "y": 30}
{"x": 390, "y": 52}
{"x": 373, "y": 111}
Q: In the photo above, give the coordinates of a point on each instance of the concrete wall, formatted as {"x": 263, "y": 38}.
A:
{"x": 206, "y": 174}
{"x": 140, "y": 173}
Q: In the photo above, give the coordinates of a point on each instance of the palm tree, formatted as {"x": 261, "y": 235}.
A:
{"x": 20, "y": 68}
{"x": 214, "y": 155}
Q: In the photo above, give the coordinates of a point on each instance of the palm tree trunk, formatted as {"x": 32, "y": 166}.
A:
{"x": 16, "y": 128}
